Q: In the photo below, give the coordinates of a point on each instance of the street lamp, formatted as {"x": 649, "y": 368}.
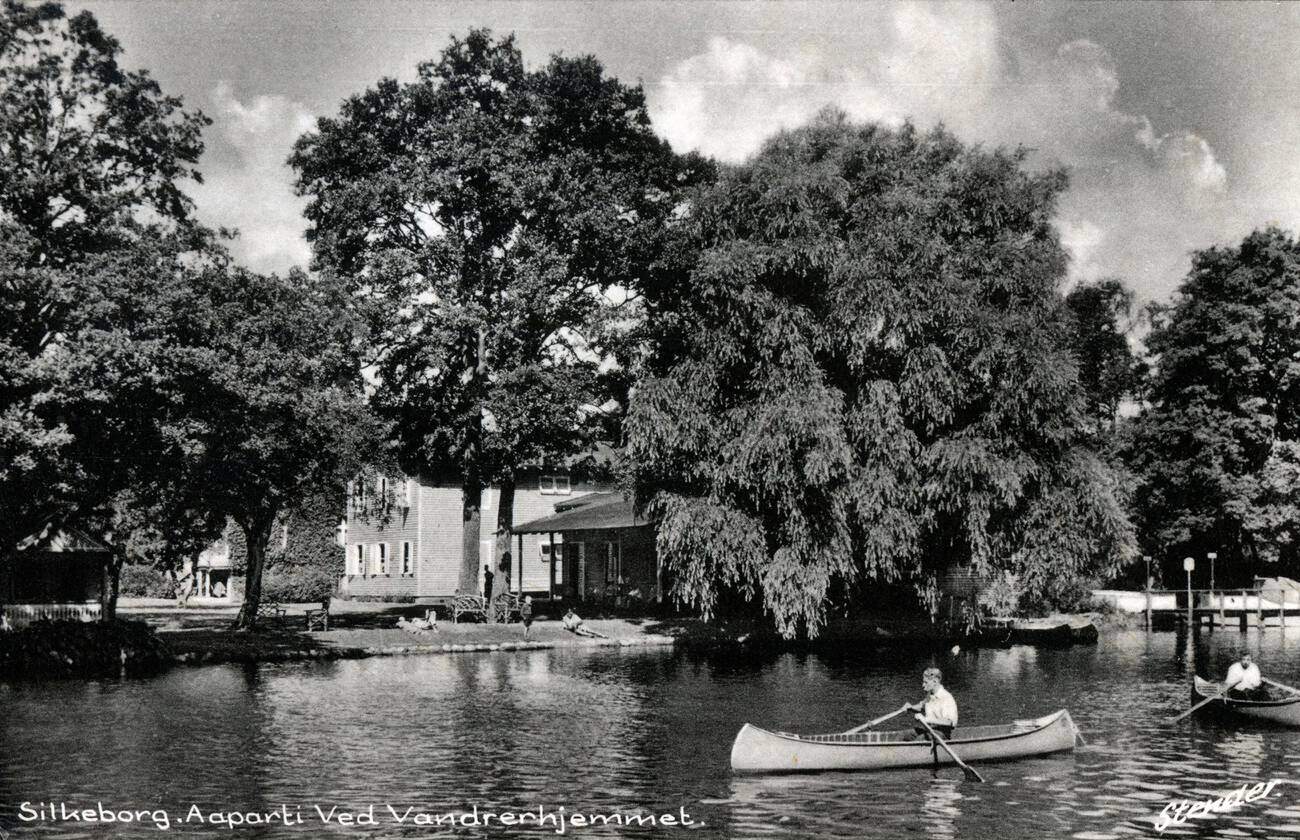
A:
{"x": 1189, "y": 563}
{"x": 1211, "y": 556}
{"x": 1147, "y": 558}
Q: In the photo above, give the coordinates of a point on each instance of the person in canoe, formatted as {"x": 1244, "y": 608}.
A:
{"x": 1244, "y": 680}
{"x": 937, "y": 707}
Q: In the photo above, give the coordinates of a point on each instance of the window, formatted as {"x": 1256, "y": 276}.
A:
{"x": 554, "y": 485}
{"x": 612, "y": 563}
{"x": 360, "y": 567}
{"x": 545, "y": 554}
{"x": 406, "y": 558}
{"x": 383, "y": 558}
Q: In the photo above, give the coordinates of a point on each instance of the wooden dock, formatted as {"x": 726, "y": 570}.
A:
{"x": 1260, "y": 607}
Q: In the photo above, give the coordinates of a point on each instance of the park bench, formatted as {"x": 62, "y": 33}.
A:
{"x": 318, "y": 619}
{"x": 505, "y": 607}
{"x": 468, "y": 605}
{"x": 272, "y": 609}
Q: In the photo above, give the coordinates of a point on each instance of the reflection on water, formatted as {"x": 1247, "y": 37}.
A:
{"x": 636, "y": 732}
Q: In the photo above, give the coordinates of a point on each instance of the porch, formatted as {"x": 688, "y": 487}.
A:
{"x": 600, "y": 551}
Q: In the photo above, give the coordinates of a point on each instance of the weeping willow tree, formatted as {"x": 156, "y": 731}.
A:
{"x": 865, "y": 377}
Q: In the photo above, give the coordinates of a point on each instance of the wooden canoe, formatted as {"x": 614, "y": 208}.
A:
{"x": 1284, "y": 711}
{"x": 757, "y": 750}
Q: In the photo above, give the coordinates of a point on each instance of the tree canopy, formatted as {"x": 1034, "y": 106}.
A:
{"x": 275, "y": 364}
{"x": 92, "y": 218}
{"x": 84, "y": 143}
{"x": 869, "y": 379}
{"x": 1218, "y": 450}
{"x": 497, "y": 219}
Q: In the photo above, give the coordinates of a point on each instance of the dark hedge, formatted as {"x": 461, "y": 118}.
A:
{"x": 82, "y": 649}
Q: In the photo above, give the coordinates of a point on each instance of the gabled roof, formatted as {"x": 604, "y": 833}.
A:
{"x": 60, "y": 539}
{"x": 594, "y": 512}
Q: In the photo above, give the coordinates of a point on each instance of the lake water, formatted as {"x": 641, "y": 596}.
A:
{"x": 622, "y": 731}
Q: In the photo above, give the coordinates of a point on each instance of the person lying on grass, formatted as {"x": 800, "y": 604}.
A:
{"x": 574, "y": 624}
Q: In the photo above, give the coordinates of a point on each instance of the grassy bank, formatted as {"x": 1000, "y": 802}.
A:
{"x": 202, "y": 636}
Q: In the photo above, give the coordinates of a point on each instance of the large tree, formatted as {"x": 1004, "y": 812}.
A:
{"x": 1218, "y": 450}
{"x": 869, "y": 379}
{"x": 117, "y": 385}
{"x": 89, "y": 153}
{"x": 274, "y": 363}
{"x": 487, "y": 212}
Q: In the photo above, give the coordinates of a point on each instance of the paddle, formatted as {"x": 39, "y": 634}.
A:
{"x": 872, "y": 723}
{"x": 967, "y": 769}
{"x": 1281, "y": 685}
{"x": 1222, "y": 692}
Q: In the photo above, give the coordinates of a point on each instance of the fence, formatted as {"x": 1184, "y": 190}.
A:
{"x": 20, "y": 615}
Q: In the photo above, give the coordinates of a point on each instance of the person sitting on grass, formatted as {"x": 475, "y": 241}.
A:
{"x": 574, "y": 625}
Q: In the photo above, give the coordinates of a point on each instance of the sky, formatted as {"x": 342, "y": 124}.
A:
{"x": 1177, "y": 122}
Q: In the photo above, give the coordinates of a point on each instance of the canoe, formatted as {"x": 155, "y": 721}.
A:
{"x": 757, "y": 750}
{"x": 1284, "y": 711}
{"x": 1058, "y": 631}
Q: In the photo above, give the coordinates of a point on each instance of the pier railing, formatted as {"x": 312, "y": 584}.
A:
{"x": 1217, "y": 606}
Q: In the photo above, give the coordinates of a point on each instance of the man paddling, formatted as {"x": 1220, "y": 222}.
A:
{"x": 937, "y": 708}
{"x": 1244, "y": 680}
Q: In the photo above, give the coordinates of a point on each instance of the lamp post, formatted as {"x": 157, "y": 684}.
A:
{"x": 1189, "y": 563}
{"x": 1147, "y": 558}
{"x": 1211, "y": 556}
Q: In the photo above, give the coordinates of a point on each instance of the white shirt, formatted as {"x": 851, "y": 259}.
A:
{"x": 939, "y": 708}
{"x": 1247, "y": 679}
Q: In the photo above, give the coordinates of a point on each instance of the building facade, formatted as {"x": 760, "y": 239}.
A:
{"x": 402, "y": 536}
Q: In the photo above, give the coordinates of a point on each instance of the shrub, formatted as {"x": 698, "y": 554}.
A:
{"x": 297, "y": 585}
{"x": 1001, "y": 596}
{"x": 82, "y": 649}
{"x": 140, "y": 581}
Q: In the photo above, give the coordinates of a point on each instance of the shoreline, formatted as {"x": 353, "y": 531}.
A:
{"x": 195, "y": 637}
{"x": 217, "y": 646}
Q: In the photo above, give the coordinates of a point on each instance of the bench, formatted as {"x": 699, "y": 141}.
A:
{"x": 318, "y": 619}
{"x": 468, "y": 605}
{"x": 505, "y": 607}
{"x": 271, "y": 609}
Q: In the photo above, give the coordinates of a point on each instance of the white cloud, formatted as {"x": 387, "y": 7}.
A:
{"x": 1140, "y": 199}
{"x": 727, "y": 100}
{"x": 253, "y": 191}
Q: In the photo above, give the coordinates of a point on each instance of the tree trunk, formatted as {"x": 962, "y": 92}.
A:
{"x": 110, "y": 587}
{"x": 505, "y": 561}
{"x": 256, "y": 534}
{"x": 472, "y": 519}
